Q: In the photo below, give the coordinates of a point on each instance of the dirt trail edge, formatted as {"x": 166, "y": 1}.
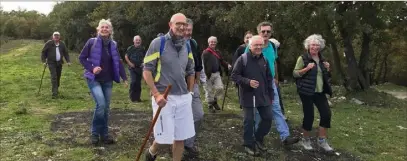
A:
{"x": 220, "y": 138}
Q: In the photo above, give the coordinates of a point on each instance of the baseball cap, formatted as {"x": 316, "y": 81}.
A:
{"x": 56, "y": 33}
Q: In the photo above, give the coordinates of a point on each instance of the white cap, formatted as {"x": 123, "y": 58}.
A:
{"x": 56, "y": 33}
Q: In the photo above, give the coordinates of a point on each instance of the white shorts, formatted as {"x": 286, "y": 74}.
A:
{"x": 175, "y": 121}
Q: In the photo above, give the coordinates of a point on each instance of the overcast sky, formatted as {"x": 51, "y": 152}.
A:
{"x": 42, "y": 7}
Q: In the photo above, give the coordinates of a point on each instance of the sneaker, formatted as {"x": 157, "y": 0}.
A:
{"x": 290, "y": 140}
{"x": 261, "y": 146}
{"x": 94, "y": 139}
{"x": 149, "y": 156}
{"x": 251, "y": 151}
{"x": 323, "y": 143}
{"x": 107, "y": 140}
{"x": 306, "y": 143}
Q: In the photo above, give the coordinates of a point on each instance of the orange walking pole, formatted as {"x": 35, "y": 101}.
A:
{"x": 153, "y": 123}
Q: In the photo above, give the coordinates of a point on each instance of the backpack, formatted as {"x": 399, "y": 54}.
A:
{"x": 162, "y": 45}
{"x": 245, "y": 55}
{"x": 95, "y": 41}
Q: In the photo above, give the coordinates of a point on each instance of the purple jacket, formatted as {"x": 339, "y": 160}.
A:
{"x": 90, "y": 58}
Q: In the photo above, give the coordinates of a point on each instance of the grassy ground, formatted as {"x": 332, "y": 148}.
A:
{"x": 36, "y": 127}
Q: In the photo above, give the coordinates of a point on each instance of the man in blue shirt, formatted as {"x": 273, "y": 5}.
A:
{"x": 264, "y": 29}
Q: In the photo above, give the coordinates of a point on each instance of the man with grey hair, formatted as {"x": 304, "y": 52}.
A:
{"x": 264, "y": 29}
{"x": 134, "y": 58}
{"x": 254, "y": 78}
{"x": 52, "y": 54}
{"x": 197, "y": 109}
{"x": 212, "y": 62}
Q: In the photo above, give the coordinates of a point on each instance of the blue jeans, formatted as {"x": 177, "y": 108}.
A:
{"x": 101, "y": 92}
{"x": 278, "y": 116}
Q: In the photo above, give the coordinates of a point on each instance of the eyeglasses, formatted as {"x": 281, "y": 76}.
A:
{"x": 179, "y": 24}
{"x": 257, "y": 45}
{"x": 266, "y": 31}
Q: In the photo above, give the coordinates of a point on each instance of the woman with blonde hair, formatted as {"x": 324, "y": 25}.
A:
{"x": 101, "y": 60}
{"x": 312, "y": 75}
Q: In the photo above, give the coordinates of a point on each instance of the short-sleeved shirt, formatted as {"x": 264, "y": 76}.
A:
{"x": 320, "y": 83}
{"x": 136, "y": 54}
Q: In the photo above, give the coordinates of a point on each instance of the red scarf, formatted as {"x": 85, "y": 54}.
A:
{"x": 213, "y": 53}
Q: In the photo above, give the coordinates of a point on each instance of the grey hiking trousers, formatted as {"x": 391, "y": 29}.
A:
{"x": 197, "y": 112}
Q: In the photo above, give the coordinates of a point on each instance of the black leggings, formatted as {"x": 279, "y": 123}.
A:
{"x": 320, "y": 100}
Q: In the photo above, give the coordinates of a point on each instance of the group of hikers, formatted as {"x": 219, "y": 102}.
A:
{"x": 175, "y": 59}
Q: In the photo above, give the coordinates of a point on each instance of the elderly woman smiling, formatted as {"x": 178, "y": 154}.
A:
{"x": 312, "y": 73}
{"x": 102, "y": 64}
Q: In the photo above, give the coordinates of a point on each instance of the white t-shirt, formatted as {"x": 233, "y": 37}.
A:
{"x": 58, "y": 56}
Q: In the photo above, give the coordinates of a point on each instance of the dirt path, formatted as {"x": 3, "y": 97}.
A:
{"x": 397, "y": 94}
{"x": 220, "y": 138}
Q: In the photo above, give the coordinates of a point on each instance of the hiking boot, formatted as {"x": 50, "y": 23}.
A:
{"x": 261, "y": 146}
{"x": 215, "y": 104}
{"x": 323, "y": 143}
{"x": 149, "y": 156}
{"x": 107, "y": 139}
{"x": 306, "y": 143}
{"x": 290, "y": 140}
{"x": 251, "y": 151}
{"x": 191, "y": 152}
{"x": 211, "y": 108}
{"x": 94, "y": 139}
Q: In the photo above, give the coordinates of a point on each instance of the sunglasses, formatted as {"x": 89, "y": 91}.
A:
{"x": 266, "y": 31}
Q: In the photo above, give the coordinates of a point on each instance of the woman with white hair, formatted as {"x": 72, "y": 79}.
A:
{"x": 312, "y": 73}
{"x": 102, "y": 64}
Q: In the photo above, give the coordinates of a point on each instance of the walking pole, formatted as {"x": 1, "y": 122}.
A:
{"x": 254, "y": 125}
{"x": 153, "y": 123}
{"x": 42, "y": 77}
{"x": 226, "y": 91}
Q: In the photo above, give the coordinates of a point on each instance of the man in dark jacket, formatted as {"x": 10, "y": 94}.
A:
{"x": 240, "y": 50}
{"x": 197, "y": 108}
{"x": 134, "y": 58}
{"x": 252, "y": 74}
{"x": 51, "y": 55}
{"x": 212, "y": 62}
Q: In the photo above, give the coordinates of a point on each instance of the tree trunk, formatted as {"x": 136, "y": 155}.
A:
{"x": 379, "y": 76}
{"x": 337, "y": 60}
{"x": 364, "y": 57}
{"x": 373, "y": 76}
{"x": 357, "y": 81}
{"x": 385, "y": 67}
{"x": 280, "y": 68}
